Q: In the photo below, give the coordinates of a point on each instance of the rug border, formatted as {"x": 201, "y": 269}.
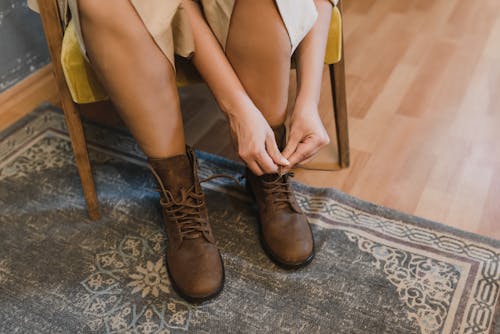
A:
{"x": 364, "y": 206}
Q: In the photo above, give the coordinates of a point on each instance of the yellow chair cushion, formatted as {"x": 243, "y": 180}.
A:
{"x": 85, "y": 88}
{"x": 80, "y": 78}
{"x": 334, "y": 43}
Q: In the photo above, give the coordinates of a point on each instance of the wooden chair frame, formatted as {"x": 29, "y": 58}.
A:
{"x": 54, "y": 31}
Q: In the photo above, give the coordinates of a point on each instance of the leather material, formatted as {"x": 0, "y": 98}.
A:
{"x": 285, "y": 231}
{"x": 193, "y": 259}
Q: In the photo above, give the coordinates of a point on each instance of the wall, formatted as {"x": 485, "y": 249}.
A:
{"x": 22, "y": 44}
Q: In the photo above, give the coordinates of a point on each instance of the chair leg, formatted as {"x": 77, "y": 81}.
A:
{"x": 337, "y": 79}
{"x": 51, "y": 19}
{"x": 77, "y": 136}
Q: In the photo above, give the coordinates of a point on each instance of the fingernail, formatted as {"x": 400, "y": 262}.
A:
{"x": 285, "y": 162}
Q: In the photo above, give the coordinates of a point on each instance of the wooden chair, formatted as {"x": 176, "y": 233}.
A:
{"x": 54, "y": 32}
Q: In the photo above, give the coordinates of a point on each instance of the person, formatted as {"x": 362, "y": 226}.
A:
{"x": 243, "y": 49}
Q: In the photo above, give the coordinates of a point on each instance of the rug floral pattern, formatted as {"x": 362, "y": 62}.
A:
{"x": 133, "y": 267}
{"x": 376, "y": 270}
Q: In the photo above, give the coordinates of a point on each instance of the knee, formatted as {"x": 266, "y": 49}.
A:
{"x": 263, "y": 38}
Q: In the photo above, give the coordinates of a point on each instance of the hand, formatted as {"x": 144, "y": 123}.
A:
{"x": 307, "y": 135}
{"x": 255, "y": 141}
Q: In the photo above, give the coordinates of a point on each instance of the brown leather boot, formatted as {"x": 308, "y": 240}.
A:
{"x": 193, "y": 261}
{"x": 285, "y": 233}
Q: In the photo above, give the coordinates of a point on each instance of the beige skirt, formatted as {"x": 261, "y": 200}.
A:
{"x": 167, "y": 23}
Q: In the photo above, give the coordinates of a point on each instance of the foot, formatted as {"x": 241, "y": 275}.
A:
{"x": 284, "y": 230}
{"x": 193, "y": 260}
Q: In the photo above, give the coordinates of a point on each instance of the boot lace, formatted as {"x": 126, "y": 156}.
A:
{"x": 187, "y": 211}
{"x": 279, "y": 190}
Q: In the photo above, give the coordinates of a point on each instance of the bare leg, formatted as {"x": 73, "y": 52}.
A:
{"x": 258, "y": 47}
{"x": 138, "y": 77}
{"x": 307, "y": 133}
{"x": 251, "y": 131}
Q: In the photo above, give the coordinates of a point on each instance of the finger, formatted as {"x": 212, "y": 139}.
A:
{"x": 266, "y": 163}
{"x": 298, "y": 164}
{"x": 291, "y": 146}
{"x": 304, "y": 151}
{"x": 255, "y": 168}
{"x": 274, "y": 152}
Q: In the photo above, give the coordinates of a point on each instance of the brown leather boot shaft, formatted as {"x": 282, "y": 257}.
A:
{"x": 193, "y": 259}
{"x": 284, "y": 230}
{"x": 176, "y": 172}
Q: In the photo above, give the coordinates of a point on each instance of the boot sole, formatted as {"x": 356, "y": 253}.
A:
{"x": 196, "y": 300}
{"x": 269, "y": 252}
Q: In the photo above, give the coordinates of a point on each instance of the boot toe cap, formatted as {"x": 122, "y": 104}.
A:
{"x": 200, "y": 278}
{"x": 199, "y": 286}
{"x": 293, "y": 246}
{"x": 292, "y": 252}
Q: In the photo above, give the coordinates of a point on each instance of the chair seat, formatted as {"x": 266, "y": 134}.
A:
{"x": 85, "y": 88}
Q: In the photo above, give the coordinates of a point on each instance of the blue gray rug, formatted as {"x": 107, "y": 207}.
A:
{"x": 376, "y": 270}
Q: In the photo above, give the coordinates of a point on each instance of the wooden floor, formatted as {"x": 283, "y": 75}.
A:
{"x": 424, "y": 103}
{"x": 26, "y": 95}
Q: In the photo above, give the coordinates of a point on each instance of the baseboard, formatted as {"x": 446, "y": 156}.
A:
{"x": 26, "y": 95}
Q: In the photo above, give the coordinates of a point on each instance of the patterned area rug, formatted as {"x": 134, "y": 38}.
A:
{"x": 376, "y": 270}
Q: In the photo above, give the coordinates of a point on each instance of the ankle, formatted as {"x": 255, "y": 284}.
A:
{"x": 164, "y": 154}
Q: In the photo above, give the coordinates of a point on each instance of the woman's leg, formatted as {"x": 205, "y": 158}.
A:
{"x": 251, "y": 132}
{"x": 307, "y": 133}
{"x": 258, "y": 47}
{"x": 136, "y": 74}
{"x": 256, "y": 72}
{"x": 141, "y": 82}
